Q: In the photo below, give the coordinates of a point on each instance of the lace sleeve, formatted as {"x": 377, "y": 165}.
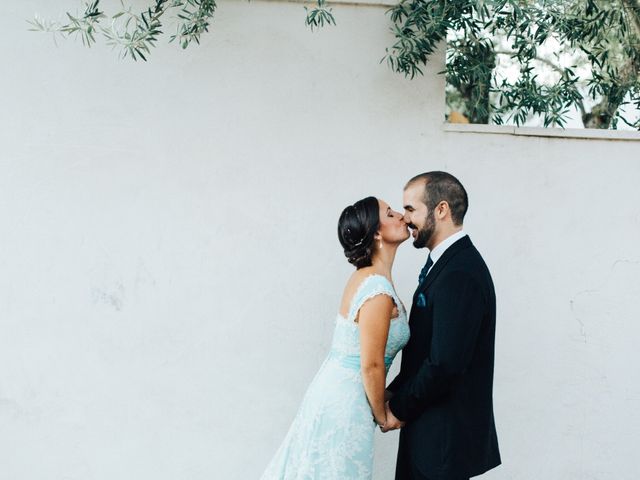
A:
{"x": 372, "y": 286}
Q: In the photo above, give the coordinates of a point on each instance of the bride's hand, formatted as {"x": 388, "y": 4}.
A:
{"x": 380, "y": 421}
{"x": 392, "y": 422}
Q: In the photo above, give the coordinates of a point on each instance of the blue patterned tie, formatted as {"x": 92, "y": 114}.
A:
{"x": 425, "y": 270}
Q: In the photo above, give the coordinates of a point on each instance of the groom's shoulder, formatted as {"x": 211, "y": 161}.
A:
{"x": 465, "y": 250}
{"x": 467, "y": 258}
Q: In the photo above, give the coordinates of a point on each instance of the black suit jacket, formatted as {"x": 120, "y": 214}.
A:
{"x": 444, "y": 389}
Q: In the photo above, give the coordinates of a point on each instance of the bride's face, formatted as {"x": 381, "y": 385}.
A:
{"x": 393, "y": 228}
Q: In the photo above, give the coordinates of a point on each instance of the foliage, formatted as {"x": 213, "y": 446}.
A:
{"x": 135, "y": 33}
{"x": 480, "y": 35}
{"x": 606, "y": 33}
{"x": 319, "y": 16}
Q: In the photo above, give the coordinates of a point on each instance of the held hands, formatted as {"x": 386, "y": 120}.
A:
{"x": 392, "y": 422}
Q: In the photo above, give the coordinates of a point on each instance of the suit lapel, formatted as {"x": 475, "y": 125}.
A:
{"x": 449, "y": 253}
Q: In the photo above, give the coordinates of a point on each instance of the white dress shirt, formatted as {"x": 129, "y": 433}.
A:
{"x": 439, "y": 249}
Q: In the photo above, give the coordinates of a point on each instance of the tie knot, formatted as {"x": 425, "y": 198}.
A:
{"x": 425, "y": 269}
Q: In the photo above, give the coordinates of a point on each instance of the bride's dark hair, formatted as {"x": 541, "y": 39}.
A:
{"x": 357, "y": 226}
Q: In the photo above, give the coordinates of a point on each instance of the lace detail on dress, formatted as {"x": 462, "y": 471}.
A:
{"x": 331, "y": 436}
{"x": 371, "y": 286}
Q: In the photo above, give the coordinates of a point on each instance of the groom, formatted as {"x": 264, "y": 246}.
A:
{"x": 443, "y": 395}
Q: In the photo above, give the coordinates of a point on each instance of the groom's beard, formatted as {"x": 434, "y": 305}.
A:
{"x": 425, "y": 233}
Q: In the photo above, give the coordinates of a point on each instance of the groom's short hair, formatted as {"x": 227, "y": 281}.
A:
{"x": 442, "y": 186}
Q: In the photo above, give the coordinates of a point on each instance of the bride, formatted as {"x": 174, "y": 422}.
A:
{"x": 331, "y": 436}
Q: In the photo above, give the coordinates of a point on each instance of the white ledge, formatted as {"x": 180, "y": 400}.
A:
{"x": 586, "y": 133}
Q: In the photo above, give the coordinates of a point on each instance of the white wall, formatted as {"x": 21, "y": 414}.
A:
{"x": 169, "y": 268}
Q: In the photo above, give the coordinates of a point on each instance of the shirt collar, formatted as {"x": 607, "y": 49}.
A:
{"x": 439, "y": 249}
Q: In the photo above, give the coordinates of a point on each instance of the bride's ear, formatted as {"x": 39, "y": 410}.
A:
{"x": 378, "y": 237}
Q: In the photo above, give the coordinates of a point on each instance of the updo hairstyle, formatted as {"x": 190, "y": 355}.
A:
{"x": 357, "y": 227}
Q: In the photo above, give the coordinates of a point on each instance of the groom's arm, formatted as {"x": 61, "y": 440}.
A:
{"x": 458, "y": 308}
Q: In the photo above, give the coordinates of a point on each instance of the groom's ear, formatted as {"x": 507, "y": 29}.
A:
{"x": 442, "y": 210}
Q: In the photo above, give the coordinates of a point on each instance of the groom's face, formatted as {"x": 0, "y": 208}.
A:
{"x": 420, "y": 220}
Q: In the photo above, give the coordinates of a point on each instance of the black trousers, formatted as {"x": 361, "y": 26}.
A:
{"x": 413, "y": 474}
{"x": 407, "y": 470}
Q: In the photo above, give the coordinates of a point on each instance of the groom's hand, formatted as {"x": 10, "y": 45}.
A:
{"x": 392, "y": 422}
{"x": 388, "y": 395}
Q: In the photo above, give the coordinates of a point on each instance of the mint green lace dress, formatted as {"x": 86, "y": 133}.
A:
{"x": 331, "y": 437}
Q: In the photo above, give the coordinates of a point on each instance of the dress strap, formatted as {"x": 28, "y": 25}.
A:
{"x": 370, "y": 287}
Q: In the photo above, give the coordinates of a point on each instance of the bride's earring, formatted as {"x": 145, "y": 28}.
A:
{"x": 380, "y": 244}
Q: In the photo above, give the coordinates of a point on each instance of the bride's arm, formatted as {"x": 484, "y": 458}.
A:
{"x": 374, "y": 319}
